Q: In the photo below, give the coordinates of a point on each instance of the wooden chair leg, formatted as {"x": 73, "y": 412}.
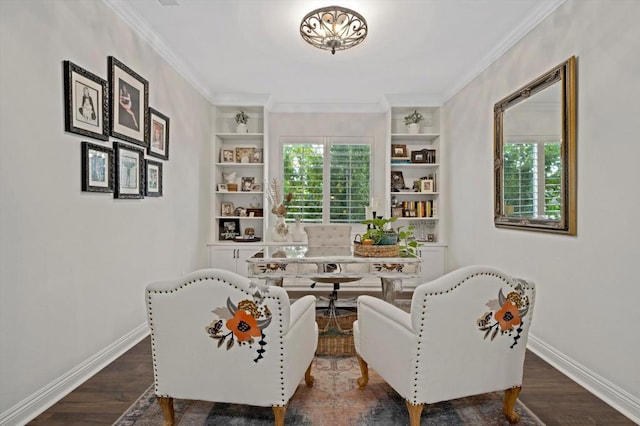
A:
{"x": 364, "y": 372}
{"x": 308, "y": 378}
{"x": 166, "y": 404}
{"x": 278, "y": 413}
{"x": 509, "y": 403}
{"x": 415, "y": 411}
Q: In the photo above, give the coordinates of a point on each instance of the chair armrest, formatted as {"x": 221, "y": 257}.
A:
{"x": 387, "y": 310}
{"x": 300, "y": 306}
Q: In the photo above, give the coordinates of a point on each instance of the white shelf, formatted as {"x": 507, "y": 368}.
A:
{"x": 413, "y": 193}
{"x": 237, "y": 165}
{"x": 416, "y": 165}
{"x": 239, "y": 136}
{"x": 240, "y": 217}
{"x": 415, "y": 138}
{"x": 240, "y": 192}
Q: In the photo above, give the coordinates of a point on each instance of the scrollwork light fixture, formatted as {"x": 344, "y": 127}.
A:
{"x": 333, "y": 28}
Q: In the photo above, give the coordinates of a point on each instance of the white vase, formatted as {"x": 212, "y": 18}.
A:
{"x": 413, "y": 128}
{"x": 280, "y": 231}
{"x": 242, "y": 128}
{"x": 297, "y": 233}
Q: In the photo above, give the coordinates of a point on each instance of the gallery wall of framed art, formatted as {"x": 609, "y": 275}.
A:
{"x": 116, "y": 108}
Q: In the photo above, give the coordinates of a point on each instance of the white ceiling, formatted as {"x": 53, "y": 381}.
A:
{"x": 417, "y": 52}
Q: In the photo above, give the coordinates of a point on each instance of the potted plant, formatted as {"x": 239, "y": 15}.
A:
{"x": 241, "y": 122}
{"x": 381, "y": 233}
{"x": 412, "y": 121}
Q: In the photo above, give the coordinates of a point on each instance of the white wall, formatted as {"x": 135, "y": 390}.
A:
{"x": 587, "y": 312}
{"x": 73, "y": 265}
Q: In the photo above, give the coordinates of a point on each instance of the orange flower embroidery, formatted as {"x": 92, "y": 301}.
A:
{"x": 508, "y": 316}
{"x": 244, "y": 326}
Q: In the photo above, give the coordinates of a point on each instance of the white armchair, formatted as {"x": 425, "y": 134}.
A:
{"x": 218, "y": 337}
{"x": 466, "y": 334}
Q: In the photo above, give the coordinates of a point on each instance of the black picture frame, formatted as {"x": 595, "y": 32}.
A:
{"x": 97, "y": 168}
{"x": 153, "y": 178}
{"x": 158, "y": 134}
{"x": 419, "y": 156}
{"x": 397, "y": 180}
{"x": 129, "y": 171}
{"x": 229, "y": 228}
{"x": 247, "y": 183}
{"x": 398, "y": 151}
{"x": 86, "y": 103}
{"x": 129, "y": 102}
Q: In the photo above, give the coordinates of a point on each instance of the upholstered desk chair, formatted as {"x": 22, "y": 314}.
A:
{"x": 216, "y": 336}
{"x": 333, "y": 240}
{"x": 466, "y": 335}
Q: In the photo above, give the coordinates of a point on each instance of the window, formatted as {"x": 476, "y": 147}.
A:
{"x": 329, "y": 177}
{"x": 532, "y": 179}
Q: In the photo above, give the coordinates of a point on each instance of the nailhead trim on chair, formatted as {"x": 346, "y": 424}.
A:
{"x": 424, "y": 308}
{"x": 283, "y": 402}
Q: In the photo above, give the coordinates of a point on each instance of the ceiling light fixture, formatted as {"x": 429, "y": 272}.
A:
{"x": 333, "y": 28}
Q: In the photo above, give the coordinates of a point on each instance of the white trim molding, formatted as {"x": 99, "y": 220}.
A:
{"x": 32, "y": 406}
{"x": 613, "y": 395}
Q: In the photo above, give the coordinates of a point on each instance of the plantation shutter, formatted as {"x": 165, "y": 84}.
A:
{"x": 329, "y": 180}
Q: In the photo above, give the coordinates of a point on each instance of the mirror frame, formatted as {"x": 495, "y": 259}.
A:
{"x": 565, "y": 75}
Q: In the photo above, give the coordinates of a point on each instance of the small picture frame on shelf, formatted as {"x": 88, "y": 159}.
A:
{"x": 256, "y": 187}
{"x": 419, "y": 156}
{"x": 247, "y": 183}
{"x": 398, "y": 151}
{"x": 397, "y": 180}
{"x": 426, "y": 185}
{"x": 431, "y": 238}
{"x": 397, "y": 212}
{"x": 255, "y": 212}
{"x": 226, "y": 209}
{"x": 229, "y": 229}
{"x": 244, "y": 155}
{"x": 240, "y": 212}
{"x": 227, "y": 154}
{"x": 222, "y": 187}
{"x": 256, "y": 156}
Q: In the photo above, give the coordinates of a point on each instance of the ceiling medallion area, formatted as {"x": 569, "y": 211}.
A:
{"x": 334, "y": 28}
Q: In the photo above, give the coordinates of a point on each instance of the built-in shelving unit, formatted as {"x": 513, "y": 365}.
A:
{"x": 238, "y": 175}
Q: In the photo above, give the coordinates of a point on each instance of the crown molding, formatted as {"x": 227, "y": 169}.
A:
{"x": 124, "y": 11}
{"x": 509, "y": 41}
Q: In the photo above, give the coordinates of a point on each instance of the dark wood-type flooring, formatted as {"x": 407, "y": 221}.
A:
{"x": 553, "y": 397}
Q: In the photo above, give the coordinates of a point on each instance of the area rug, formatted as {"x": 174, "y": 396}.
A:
{"x": 333, "y": 400}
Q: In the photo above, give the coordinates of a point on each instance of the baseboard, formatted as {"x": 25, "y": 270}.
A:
{"x": 617, "y": 398}
{"x": 29, "y": 408}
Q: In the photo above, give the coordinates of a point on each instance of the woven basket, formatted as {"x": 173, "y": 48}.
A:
{"x": 363, "y": 250}
{"x": 333, "y": 343}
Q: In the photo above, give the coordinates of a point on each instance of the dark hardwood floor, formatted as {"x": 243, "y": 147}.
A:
{"x": 553, "y": 397}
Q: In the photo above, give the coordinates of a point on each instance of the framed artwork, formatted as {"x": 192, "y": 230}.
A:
{"x": 244, "y": 155}
{"x": 222, "y": 187}
{"x": 153, "y": 175}
{"x": 229, "y": 228}
{"x": 247, "y": 183}
{"x": 129, "y": 171}
{"x": 240, "y": 211}
{"x": 397, "y": 180}
{"x": 255, "y": 212}
{"x": 158, "y": 134}
{"x": 227, "y": 154}
{"x": 256, "y": 157}
{"x": 426, "y": 185}
{"x": 86, "y": 107}
{"x": 226, "y": 209}
{"x": 129, "y": 102}
{"x": 398, "y": 151}
{"x": 256, "y": 187}
{"x": 419, "y": 156}
{"x": 97, "y": 168}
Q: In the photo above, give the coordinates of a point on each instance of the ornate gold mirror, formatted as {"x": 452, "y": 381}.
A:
{"x": 535, "y": 154}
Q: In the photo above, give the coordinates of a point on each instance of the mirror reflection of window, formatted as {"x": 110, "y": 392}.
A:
{"x": 532, "y": 164}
